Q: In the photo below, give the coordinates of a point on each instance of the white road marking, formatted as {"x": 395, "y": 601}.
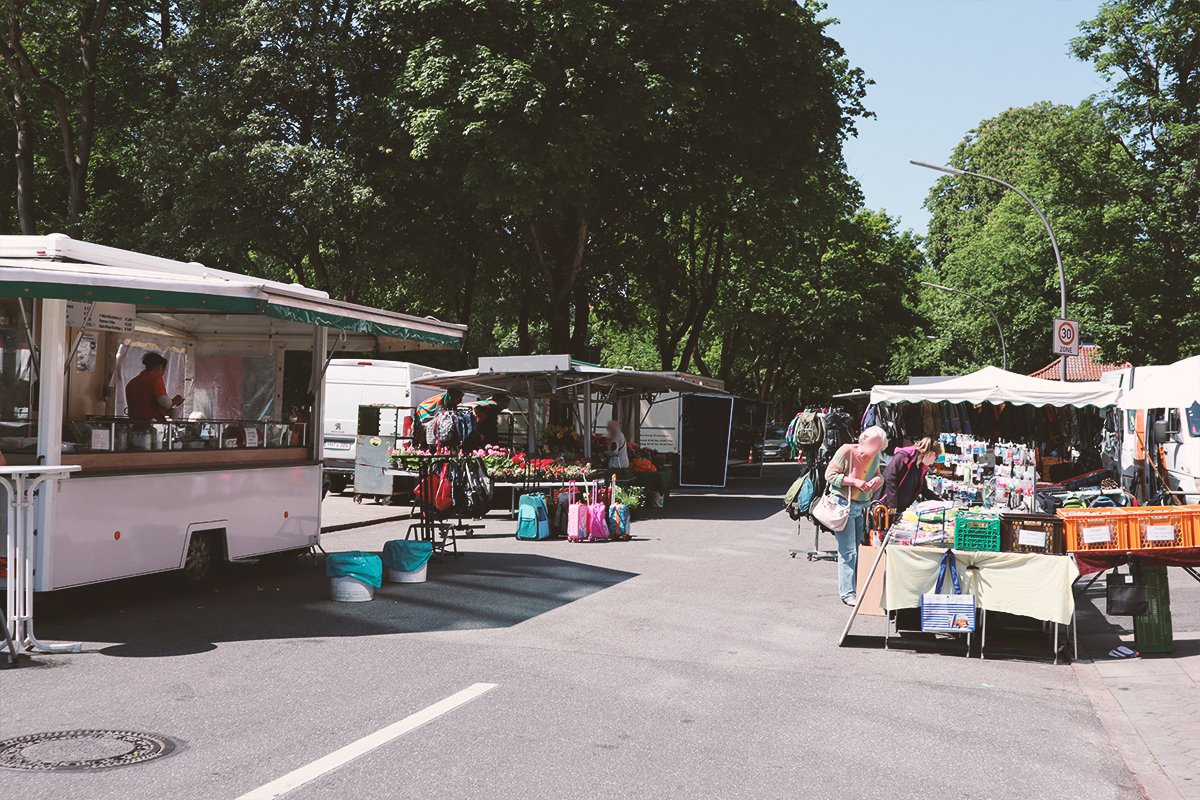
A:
{"x": 725, "y": 551}
{"x": 338, "y": 758}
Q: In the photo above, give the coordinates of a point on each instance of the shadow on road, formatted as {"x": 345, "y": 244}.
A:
{"x": 151, "y": 617}
{"x": 731, "y": 508}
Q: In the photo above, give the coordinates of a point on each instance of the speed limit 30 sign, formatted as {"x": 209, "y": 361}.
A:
{"x": 1065, "y": 337}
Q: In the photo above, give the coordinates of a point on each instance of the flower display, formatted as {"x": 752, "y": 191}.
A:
{"x": 503, "y": 465}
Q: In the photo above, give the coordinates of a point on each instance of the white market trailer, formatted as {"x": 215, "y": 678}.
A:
{"x": 231, "y": 475}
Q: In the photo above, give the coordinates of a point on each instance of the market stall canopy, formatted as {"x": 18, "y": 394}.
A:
{"x": 58, "y": 267}
{"x": 544, "y": 376}
{"x": 1169, "y": 386}
{"x": 994, "y": 385}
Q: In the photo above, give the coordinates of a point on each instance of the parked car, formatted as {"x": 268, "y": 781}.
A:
{"x": 775, "y": 448}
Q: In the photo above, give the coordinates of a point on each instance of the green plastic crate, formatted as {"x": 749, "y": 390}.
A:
{"x": 1153, "y": 633}
{"x": 977, "y": 533}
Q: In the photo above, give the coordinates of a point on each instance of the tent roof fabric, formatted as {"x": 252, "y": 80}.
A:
{"x": 994, "y": 385}
{"x": 1083, "y": 367}
{"x": 546, "y": 382}
{"x": 33, "y": 266}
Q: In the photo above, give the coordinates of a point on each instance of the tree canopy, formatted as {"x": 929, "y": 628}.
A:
{"x": 656, "y": 183}
{"x": 1115, "y": 174}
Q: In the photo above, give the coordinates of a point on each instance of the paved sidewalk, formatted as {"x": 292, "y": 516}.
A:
{"x": 1150, "y": 706}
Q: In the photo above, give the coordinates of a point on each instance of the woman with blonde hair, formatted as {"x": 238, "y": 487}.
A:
{"x": 853, "y": 472}
{"x": 904, "y": 478}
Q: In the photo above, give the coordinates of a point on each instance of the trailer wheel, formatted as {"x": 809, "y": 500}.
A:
{"x": 358, "y": 499}
{"x": 204, "y": 557}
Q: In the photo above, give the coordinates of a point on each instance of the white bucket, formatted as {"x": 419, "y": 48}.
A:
{"x": 348, "y": 589}
{"x": 416, "y": 576}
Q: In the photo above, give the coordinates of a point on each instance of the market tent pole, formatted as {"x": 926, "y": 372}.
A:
{"x": 587, "y": 423}
{"x": 531, "y": 434}
{"x": 316, "y": 418}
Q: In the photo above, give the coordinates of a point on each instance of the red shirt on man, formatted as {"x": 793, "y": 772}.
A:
{"x": 141, "y": 396}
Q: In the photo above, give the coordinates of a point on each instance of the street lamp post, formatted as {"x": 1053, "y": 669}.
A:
{"x": 986, "y": 307}
{"x": 1062, "y": 278}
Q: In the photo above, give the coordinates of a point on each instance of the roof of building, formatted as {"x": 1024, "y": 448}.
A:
{"x": 1083, "y": 367}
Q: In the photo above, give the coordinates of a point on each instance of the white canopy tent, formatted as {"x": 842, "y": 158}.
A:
{"x": 1169, "y": 386}
{"x": 994, "y": 385}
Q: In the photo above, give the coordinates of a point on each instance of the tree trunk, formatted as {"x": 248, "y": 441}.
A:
{"x": 663, "y": 340}
{"x": 317, "y": 260}
{"x": 730, "y": 347}
{"x": 560, "y": 253}
{"x": 707, "y": 298}
{"x": 26, "y": 203}
{"x": 90, "y": 24}
{"x": 466, "y": 308}
{"x": 524, "y": 309}
{"x": 579, "y": 335}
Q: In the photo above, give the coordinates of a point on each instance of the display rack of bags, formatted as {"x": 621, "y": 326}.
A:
{"x": 449, "y": 488}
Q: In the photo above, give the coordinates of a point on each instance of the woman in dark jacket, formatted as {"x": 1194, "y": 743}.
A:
{"x": 904, "y": 478}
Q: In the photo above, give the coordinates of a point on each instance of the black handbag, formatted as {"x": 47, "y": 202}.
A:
{"x": 1125, "y": 598}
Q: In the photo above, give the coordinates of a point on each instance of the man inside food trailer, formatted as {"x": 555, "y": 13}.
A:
{"x": 146, "y": 393}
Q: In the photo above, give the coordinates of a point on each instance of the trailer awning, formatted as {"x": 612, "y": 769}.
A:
{"x": 158, "y": 284}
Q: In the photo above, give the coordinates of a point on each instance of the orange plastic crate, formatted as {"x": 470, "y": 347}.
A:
{"x": 1164, "y": 527}
{"x": 1096, "y": 529}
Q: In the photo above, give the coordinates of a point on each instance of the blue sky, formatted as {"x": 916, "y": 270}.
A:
{"x": 942, "y": 66}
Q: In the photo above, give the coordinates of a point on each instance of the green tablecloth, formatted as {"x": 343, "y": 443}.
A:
{"x": 1027, "y": 584}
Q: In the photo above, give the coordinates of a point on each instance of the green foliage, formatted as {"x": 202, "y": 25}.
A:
{"x": 1116, "y": 177}
{"x": 658, "y": 185}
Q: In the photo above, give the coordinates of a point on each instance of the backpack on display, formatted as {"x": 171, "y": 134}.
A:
{"x": 885, "y": 418}
{"x": 836, "y": 433}
{"x": 533, "y": 520}
{"x": 799, "y": 498}
{"x": 808, "y": 429}
{"x": 445, "y": 431}
{"x": 464, "y": 430}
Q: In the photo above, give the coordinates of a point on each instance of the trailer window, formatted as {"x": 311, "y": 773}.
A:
{"x": 1193, "y": 420}
{"x": 18, "y": 384}
{"x": 235, "y": 387}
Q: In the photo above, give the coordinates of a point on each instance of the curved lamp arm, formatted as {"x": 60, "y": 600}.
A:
{"x": 1062, "y": 278}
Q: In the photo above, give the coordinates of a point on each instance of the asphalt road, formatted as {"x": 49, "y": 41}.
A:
{"x": 698, "y": 661}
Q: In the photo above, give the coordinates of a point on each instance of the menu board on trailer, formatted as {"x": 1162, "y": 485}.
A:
{"x": 97, "y": 316}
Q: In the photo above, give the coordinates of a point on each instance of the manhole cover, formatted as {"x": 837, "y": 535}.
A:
{"x": 82, "y": 750}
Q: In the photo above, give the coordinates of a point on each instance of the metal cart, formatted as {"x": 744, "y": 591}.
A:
{"x": 380, "y": 432}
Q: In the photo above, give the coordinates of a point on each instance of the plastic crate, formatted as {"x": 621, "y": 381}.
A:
{"x": 1164, "y": 527}
{"x": 1096, "y": 529}
{"x": 1153, "y": 633}
{"x": 1039, "y": 527}
{"x": 975, "y": 532}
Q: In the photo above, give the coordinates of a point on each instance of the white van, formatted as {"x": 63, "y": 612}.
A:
{"x": 353, "y": 382}
{"x": 1174, "y": 427}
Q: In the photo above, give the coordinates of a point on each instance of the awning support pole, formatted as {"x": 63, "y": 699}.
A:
{"x": 531, "y": 438}
{"x": 587, "y": 423}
